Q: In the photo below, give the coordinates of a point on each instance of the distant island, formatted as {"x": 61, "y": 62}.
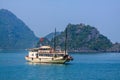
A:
{"x": 83, "y": 38}
{"x": 15, "y": 34}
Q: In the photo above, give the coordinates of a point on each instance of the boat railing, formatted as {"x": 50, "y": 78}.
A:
{"x": 51, "y": 52}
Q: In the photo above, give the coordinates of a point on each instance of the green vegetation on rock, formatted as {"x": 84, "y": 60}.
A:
{"x": 83, "y": 38}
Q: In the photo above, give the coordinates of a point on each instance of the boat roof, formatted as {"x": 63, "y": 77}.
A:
{"x": 45, "y": 47}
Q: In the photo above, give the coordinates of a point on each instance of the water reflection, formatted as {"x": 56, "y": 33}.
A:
{"x": 31, "y": 63}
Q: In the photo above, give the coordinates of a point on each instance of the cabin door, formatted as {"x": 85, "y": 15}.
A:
{"x": 36, "y": 55}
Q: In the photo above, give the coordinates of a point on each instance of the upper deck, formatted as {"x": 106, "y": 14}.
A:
{"x": 46, "y": 50}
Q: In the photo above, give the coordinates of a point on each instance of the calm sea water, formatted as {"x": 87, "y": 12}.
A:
{"x": 99, "y": 66}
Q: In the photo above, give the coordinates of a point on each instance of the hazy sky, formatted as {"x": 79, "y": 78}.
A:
{"x": 42, "y": 16}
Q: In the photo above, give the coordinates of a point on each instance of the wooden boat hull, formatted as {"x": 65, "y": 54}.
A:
{"x": 47, "y": 60}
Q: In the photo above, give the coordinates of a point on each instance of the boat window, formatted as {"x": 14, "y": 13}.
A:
{"x": 46, "y": 49}
{"x": 61, "y": 54}
{"x": 50, "y": 55}
{"x": 40, "y": 54}
{"x": 45, "y": 54}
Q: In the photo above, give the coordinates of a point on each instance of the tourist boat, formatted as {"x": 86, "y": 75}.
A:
{"x": 47, "y": 54}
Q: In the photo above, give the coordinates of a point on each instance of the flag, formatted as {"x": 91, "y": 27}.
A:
{"x": 41, "y": 39}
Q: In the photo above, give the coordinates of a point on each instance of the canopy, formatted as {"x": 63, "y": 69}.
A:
{"x": 45, "y": 47}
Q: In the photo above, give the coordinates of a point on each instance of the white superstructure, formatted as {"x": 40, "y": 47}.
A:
{"x": 46, "y": 54}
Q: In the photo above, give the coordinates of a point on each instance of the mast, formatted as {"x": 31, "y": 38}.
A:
{"x": 55, "y": 40}
{"x": 66, "y": 41}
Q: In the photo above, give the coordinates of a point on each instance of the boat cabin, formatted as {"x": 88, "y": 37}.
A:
{"x": 45, "y": 51}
